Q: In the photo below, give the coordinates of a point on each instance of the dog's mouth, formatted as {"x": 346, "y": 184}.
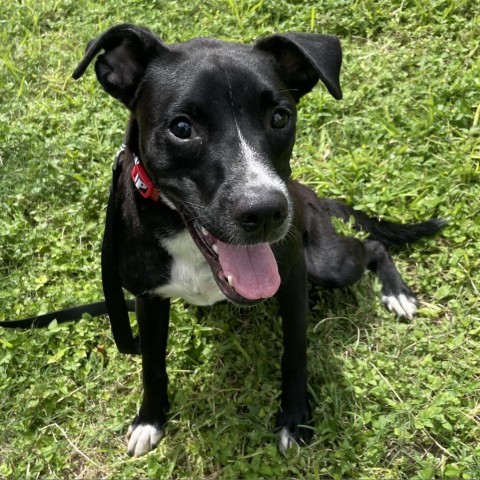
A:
{"x": 245, "y": 274}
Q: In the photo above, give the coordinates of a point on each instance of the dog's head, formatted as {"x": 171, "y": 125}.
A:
{"x": 216, "y": 128}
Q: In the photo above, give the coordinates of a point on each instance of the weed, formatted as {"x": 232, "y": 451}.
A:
{"x": 391, "y": 399}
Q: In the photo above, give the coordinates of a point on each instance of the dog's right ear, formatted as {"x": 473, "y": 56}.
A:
{"x": 305, "y": 58}
{"x": 128, "y": 51}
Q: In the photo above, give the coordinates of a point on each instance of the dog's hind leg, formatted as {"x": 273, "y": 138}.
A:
{"x": 147, "y": 429}
{"x": 396, "y": 295}
{"x": 335, "y": 261}
{"x": 332, "y": 260}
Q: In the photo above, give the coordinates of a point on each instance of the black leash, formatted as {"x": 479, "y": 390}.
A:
{"x": 62, "y": 316}
{"x": 115, "y": 304}
{"x": 112, "y": 285}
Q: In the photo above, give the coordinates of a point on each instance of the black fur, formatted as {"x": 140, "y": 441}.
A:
{"x": 389, "y": 233}
{"x": 213, "y": 124}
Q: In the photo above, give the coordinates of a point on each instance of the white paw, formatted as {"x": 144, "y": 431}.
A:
{"x": 142, "y": 439}
{"x": 286, "y": 440}
{"x": 402, "y": 305}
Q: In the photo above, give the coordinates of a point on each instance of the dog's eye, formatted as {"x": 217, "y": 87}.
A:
{"x": 280, "y": 118}
{"x": 182, "y": 128}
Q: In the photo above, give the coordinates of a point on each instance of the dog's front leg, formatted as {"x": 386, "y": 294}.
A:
{"x": 295, "y": 415}
{"x": 146, "y": 430}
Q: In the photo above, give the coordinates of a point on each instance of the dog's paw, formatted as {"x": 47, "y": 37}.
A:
{"x": 142, "y": 438}
{"x": 287, "y": 440}
{"x": 295, "y": 429}
{"x": 403, "y": 305}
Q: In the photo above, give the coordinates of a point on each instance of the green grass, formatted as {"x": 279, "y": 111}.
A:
{"x": 391, "y": 399}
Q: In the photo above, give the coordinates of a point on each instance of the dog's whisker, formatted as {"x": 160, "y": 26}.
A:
{"x": 197, "y": 205}
{"x": 289, "y": 90}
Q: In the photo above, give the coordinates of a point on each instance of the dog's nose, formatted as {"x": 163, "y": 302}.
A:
{"x": 261, "y": 211}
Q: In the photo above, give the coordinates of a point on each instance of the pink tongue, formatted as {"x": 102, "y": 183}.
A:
{"x": 253, "y": 269}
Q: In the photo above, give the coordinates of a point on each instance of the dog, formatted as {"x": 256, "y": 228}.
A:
{"x": 206, "y": 208}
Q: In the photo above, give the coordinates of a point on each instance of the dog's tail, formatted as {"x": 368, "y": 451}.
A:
{"x": 389, "y": 233}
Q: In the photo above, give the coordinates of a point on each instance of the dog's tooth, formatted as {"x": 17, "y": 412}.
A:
{"x": 204, "y": 231}
{"x": 230, "y": 280}
{"x": 215, "y": 248}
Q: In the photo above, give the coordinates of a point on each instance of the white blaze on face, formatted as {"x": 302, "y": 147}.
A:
{"x": 254, "y": 169}
{"x": 257, "y": 174}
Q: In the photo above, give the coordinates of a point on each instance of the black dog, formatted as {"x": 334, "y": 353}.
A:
{"x": 215, "y": 214}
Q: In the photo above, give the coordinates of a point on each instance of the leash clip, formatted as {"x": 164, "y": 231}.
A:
{"x": 118, "y": 157}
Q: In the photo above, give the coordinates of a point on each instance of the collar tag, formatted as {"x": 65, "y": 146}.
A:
{"x": 142, "y": 181}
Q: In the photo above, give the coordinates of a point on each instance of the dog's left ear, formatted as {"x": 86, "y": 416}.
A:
{"x": 304, "y": 59}
{"x": 128, "y": 49}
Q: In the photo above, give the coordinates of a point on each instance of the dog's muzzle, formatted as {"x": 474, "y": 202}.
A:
{"x": 245, "y": 274}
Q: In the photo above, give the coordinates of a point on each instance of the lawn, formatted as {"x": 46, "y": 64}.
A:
{"x": 391, "y": 399}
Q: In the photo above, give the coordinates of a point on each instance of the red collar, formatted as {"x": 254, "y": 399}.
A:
{"x": 143, "y": 182}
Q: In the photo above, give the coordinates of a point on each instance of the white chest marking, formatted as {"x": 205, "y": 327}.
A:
{"x": 191, "y": 277}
